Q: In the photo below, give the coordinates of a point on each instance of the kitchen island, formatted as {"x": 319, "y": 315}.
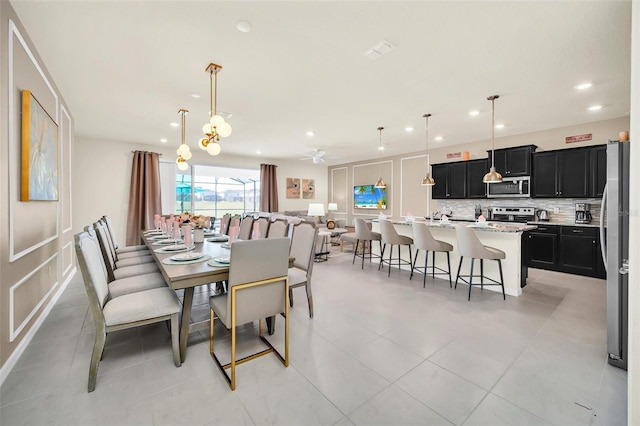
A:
{"x": 508, "y": 237}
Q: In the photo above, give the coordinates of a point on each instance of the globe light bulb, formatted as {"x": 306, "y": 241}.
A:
{"x": 206, "y": 129}
{"x": 217, "y": 120}
{"x": 213, "y": 148}
{"x": 224, "y": 130}
{"x": 183, "y": 165}
{"x": 187, "y": 155}
{"x": 202, "y": 143}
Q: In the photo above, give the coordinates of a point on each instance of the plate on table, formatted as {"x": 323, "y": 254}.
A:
{"x": 213, "y": 234}
{"x": 186, "y": 257}
{"x": 225, "y": 245}
{"x": 153, "y": 232}
{"x": 167, "y": 242}
{"x": 218, "y": 239}
{"x": 223, "y": 259}
{"x": 160, "y": 237}
{"x": 174, "y": 247}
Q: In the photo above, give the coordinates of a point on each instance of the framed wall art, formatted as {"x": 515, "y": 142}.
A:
{"x": 293, "y": 187}
{"x": 308, "y": 189}
{"x": 39, "y": 162}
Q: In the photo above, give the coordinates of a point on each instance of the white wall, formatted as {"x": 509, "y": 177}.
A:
{"x": 102, "y": 174}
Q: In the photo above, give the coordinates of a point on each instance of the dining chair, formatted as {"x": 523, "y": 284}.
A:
{"x": 423, "y": 240}
{"x": 246, "y": 226}
{"x": 122, "y": 312}
{"x": 133, "y": 258}
{"x": 278, "y": 228}
{"x": 303, "y": 250}
{"x": 469, "y": 245}
{"x": 390, "y": 236}
{"x": 112, "y": 233}
{"x": 114, "y": 271}
{"x": 263, "y": 226}
{"x": 224, "y": 224}
{"x": 123, "y": 255}
{"x": 364, "y": 239}
{"x": 258, "y": 288}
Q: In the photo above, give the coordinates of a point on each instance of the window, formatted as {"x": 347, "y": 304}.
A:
{"x": 209, "y": 190}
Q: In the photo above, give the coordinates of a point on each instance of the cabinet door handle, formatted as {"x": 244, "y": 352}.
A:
{"x": 540, "y": 228}
{"x": 577, "y": 231}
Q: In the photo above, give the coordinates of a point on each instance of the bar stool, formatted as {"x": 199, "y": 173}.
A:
{"x": 390, "y": 236}
{"x": 365, "y": 236}
{"x": 470, "y": 246}
{"x": 423, "y": 240}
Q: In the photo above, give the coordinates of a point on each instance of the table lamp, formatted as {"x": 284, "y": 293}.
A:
{"x": 316, "y": 210}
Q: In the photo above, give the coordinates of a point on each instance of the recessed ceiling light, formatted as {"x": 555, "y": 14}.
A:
{"x": 258, "y": 152}
{"x": 381, "y": 148}
{"x": 583, "y": 86}
{"x": 595, "y": 107}
{"x": 174, "y": 124}
{"x": 195, "y": 95}
{"x": 439, "y": 138}
{"x": 163, "y": 140}
{"x": 474, "y": 113}
{"x": 499, "y": 126}
{"x": 310, "y": 133}
{"x": 243, "y": 26}
{"x": 408, "y": 129}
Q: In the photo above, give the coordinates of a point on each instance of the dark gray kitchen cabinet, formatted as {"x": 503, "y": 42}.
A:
{"x": 562, "y": 173}
{"x": 451, "y": 180}
{"x": 476, "y": 169}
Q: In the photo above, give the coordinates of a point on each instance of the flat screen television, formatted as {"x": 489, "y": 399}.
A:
{"x": 369, "y": 197}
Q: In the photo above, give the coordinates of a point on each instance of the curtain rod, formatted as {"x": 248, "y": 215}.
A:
{"x": 160, "y": 154}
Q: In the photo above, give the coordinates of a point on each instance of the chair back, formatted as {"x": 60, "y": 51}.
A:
{"x": 303, "y": 244}
{"x": 224, "y": 224}
{"x": 110, "y": 229}
{"x": 278, "y": 228}
{"x": 246, "y": 226}
{"x": 389, "y": 233}
{"x": 469, "y": 244}
{"x": 105, "y": 248}
{"x": 363, "y": 230}
{"x": 93, "y": 273}
{"x": 263, "y": 226}
{"x": 422, "y": 237}
{"x": 251, "y": 262}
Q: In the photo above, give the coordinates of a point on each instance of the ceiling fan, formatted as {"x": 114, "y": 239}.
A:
{"x": 316, "y": 156}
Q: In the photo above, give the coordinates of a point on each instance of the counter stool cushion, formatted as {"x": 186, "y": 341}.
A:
{"x": 423, "y": 240}
{"x": 389, "y": 235}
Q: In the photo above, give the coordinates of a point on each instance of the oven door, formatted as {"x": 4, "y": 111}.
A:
{"x": 510, "y": 188}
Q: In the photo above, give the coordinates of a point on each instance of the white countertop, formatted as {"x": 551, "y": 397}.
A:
{"x": 480, "y": 226}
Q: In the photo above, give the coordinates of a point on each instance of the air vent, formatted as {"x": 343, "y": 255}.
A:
{"x": 379, "y": 49}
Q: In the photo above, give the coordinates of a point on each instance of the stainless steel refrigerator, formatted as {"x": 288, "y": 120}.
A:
{"x": 614, "y": 237}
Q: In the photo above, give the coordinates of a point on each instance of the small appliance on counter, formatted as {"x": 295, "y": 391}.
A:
{"x": 513, "y": 214}
{"x": 542, "y": 215}
{"x": 583, "y": 213}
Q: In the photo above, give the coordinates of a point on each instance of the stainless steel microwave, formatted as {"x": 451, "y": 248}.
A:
{"x": 513, "y": 187}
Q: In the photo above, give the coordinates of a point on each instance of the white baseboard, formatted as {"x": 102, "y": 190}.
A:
{"x": 22, "y": 346}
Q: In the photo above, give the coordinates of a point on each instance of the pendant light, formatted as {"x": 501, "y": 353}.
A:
{"x": 427, "y": 180}
{"x": 216, "y": 127}
{"x": 380, "y": 183}
{"x": 183, "y": 151}
{"x": 492, "y": 176}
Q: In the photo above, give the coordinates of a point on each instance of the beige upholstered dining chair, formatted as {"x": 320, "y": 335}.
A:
{"x": 124, "y": 311}
{"x": 224, "y": 224}
{"x": 278, "y": 228}
{"x": 390, "y": 236}
{"x": 423, "y": 240}
{"x": 246, "y": 226}
{"x": 263, "y": 226}
{"x": 127, "y": 269}
{"x": 258, "y": 288}
{"x": 303, "y": 244}
{"x": 364, "y": 239}
{"x": 112, "y": 233}
{"x": 143, "y": 255}
{"x": 470, "y": 246}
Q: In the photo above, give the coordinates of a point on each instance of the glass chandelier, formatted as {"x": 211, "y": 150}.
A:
{"x": 183, "y": 151}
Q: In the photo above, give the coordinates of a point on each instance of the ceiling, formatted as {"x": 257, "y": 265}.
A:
{"x": 126, "y": 67}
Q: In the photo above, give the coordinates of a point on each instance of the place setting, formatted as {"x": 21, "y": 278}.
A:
{"x": 167, "y": 241}
{"x": 218, "y": 238}
{"x": 220, "y": 261}
{"x": 186, "y": 258}
{"x": 174, "y": 248}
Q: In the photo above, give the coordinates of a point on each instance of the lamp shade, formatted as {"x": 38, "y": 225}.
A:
{"x": 332, "y": 207}
{"x": 316, "y": 209}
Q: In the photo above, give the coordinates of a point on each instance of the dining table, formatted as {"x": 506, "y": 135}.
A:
{"x": 188, "y": 274}
{"x": 183, "y": 269}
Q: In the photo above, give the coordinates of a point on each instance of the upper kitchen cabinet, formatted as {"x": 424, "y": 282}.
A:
{"x": 598, "y": 170}
{"x": 513, "y": 161}
{"x": 451, "y": 180}
{"x": 562, "y": 174}
{"x": 476, "y": 169}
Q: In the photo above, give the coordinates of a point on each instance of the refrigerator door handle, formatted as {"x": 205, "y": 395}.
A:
{"x": 603, "y": 247}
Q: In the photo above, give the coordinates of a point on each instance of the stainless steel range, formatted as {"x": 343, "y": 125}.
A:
{"x": 513, "y": 214}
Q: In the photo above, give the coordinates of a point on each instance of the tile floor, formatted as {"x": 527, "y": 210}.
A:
{"x": 380, "y": 351}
